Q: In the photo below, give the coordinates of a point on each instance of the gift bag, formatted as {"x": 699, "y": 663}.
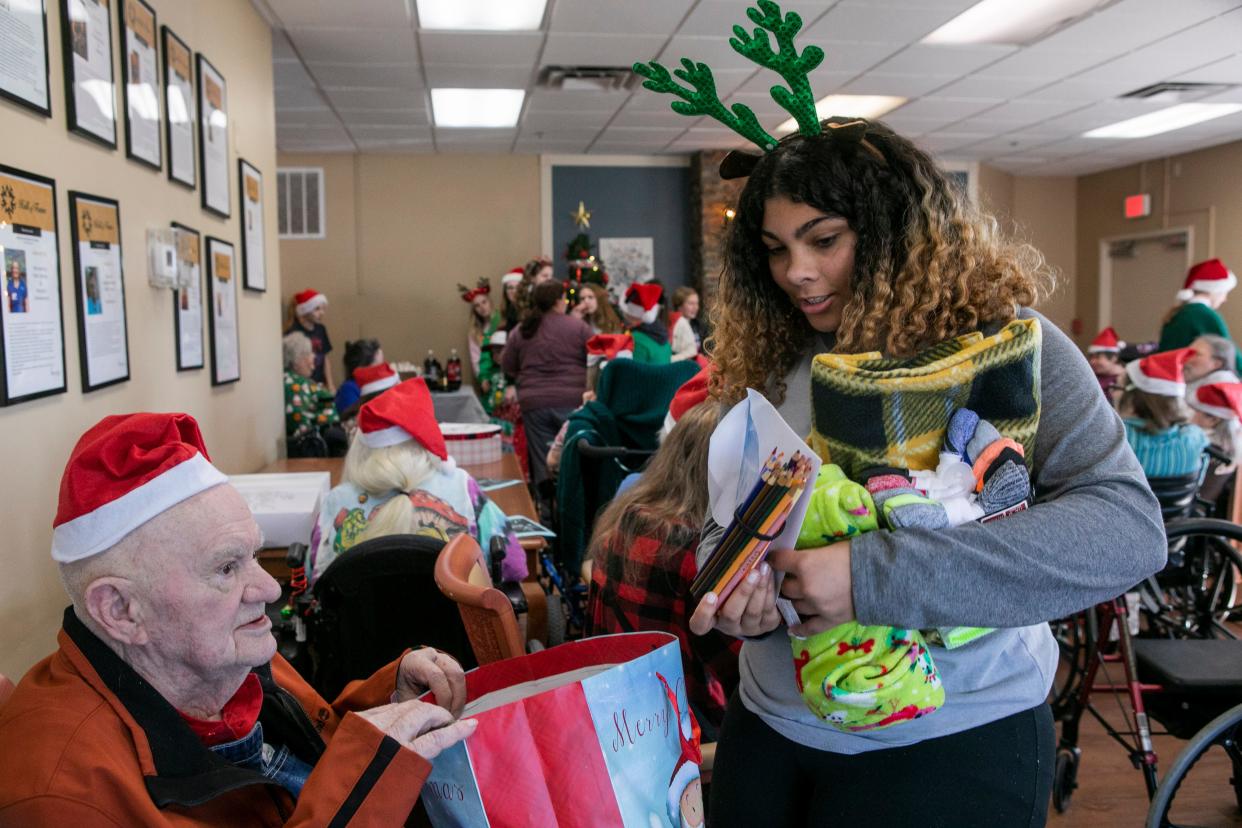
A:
{"x": 591, "y": 733}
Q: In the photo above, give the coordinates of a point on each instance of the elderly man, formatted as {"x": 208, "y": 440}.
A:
{"x": 166, "y": 703}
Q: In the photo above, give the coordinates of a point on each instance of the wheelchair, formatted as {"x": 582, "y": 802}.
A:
{"x": 1179, "y": 658}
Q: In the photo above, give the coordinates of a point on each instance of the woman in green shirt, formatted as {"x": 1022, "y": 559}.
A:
{"x": 1207, "y": 286}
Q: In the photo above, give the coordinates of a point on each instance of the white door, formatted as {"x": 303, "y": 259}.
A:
{"x": 1145, "y": 273}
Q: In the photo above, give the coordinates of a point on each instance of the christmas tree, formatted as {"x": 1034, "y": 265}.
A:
{"x": 584, "y": 265}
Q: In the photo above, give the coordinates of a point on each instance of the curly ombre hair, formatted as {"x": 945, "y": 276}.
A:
{"x": 928, "y": 265}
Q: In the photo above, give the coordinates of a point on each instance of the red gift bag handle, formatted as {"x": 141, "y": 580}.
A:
{"x": 690, "y": 748}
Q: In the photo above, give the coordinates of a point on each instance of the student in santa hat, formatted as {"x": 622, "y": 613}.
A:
{"x": 1207, "y": 287}
{"x": 312, "y": 423}
{"x": 510, "y": 284}
{"x": 1158, "y": 427}
{"x": 309, "y": 308}
{"x": 361, "y": 353}
{"x": 400, "y": 480}
{"x": 165, "y": 702}
{"x": 1217, "y": 409}
{"x": 641, "y": 309}
{"x": 642, "y": 550}
{"x": 1104, "y": 355}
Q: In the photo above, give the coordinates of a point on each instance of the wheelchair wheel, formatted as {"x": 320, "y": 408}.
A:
{"x": 1065, "y": 777}
{"x": 1225, "y": 731}
{"x": 556, "y": 619}
{"x": 1195, "y": 597}
{"x": 1076, "y": 637}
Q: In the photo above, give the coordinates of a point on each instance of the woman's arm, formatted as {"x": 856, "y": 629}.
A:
{"x": 1094, "y": 532}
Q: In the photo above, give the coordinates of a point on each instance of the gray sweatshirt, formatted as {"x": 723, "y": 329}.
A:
{"x": 1094, "y": 531}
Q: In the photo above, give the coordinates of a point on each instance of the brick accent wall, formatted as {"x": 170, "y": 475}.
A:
{"x": 710, "y": 197}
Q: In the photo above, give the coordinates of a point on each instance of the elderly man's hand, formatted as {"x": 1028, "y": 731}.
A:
{"x": 429, "y": 669}
{"x": 424, "y": 728}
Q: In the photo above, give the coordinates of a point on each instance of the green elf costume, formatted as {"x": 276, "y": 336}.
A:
{"x": 651, "y": 342}
{"x": 1196, "y": 317}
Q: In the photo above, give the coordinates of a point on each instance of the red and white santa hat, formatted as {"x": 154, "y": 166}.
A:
{"x": 1105, "y": 342}
{"x": 1220, "y": 399}
{"x": 1207, "y": 277}
{"x": 125, "y": 470}
{"x": 643, "y": 300}
{"x": 373, "y": 379}
{"x": 308, "y": 300}
{"x": 607, "y": 347}
{"x": 1161, "y": 373}
{"x": 401, "y": 414}
{"x": 513, "y": 277}
{"x": 692, "y": 392}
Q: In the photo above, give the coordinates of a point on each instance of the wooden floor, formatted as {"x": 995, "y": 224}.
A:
{"x": 1111, "y": 791}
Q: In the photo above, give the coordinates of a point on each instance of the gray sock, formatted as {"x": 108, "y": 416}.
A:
{"x": 924, "y": 512}
{"x": 1005, "y": 486}
{"x": 985, "y": 435}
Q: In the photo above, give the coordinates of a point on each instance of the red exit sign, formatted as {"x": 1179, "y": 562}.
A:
{"x": 1138, "y": 206}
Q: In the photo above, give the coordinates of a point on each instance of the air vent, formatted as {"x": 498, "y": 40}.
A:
{"x": 587, "y": 78}
{"x": 1177, "y": 91}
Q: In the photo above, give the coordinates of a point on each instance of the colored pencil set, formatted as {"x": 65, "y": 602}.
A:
{"x": 757, "y": 522}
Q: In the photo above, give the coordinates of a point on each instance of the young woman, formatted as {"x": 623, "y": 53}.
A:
{"x": 510, "y": 284}
{"x": 307, "y": 312}
{"x": 595, "y": 308}
{"x": 358, "y": 354}
{"x": 483, "y": 322}
{"x": 643, "y": 554}
{"x": 853, "y": 241}
{"x": 681, "y": 323}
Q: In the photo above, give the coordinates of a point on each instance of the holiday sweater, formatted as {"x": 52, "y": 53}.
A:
{"x": 651, "y": 345}
{"x": 1173, "y": 452}
{"x": 309, "y": 406}
{"x": 1015, "y": 574}
{"x": 1191, "y": 321}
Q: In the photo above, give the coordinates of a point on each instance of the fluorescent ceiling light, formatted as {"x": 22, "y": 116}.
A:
{"x": 476, "y": 107}
{"x": 1164, "y": 120}
{"x": 849, "y": 106}
{"x": 485, "y": 15}
{"x": 1015, "y": 22}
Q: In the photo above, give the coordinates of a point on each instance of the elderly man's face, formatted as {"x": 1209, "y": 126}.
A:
{"x": 207, "y": 600}
{"x": 1202, "y": 363}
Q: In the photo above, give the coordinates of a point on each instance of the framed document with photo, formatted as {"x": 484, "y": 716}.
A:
{"x": 254, "y": 253}
{"x": 225, "y": 341}
{"x": 86, "y": 29}
{"x": 213, "y": 137}
{"x": 99, "y": 287}
{"x": 179, "y": 109}
{"x": 32, "y": 331}
{"x": 23, "y": 42}
{"x": 140, "y": 82}
{"x": 188, "y": 299}
{"x": 629, "y": 260}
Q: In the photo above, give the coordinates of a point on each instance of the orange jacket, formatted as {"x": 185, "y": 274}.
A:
{"x": 84, "y": 741}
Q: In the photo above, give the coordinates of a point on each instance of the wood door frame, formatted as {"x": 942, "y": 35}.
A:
{"x": 1104, "y": 295}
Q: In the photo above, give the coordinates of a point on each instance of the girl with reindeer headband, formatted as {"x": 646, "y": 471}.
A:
{"x": 854, "y": 264}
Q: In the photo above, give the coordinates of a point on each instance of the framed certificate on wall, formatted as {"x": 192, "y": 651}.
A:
{"x": 179, "y": 109}
{"x": 250, "y": 183}
{"x": 23, "y": 42}
{"x": 188, "y": 299}
{"x": 86, "y": 29}
{"x": 225, "y": 341}
{"x": 99, "y": 287}
{"x": 213, "y": 138}
{"x": 140, "y": 82}
{"x": 32, "y": 331}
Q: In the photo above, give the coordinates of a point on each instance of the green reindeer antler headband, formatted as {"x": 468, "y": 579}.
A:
{"x": 794, "y": 68}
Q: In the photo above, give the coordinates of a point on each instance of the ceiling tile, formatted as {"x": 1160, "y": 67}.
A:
{"x": 564, "y": 120}
{"x": 387, "y": 131}
{"x": 395, "y": 146}
{"x": 385, "y": 117}
{"x": 1027, "y": 111}
{"x": 395, "y": 75}
{"x": 945, "y": 61}
{"x": 940, "y": 141}
{"x": 307, "y": 145}
{"x": 1141, "y": 68}
{"x": 568, "y": 135}
{"x": 371, "y": 98}
{"x": 342, "y": 45}
{"x": 953, "y": 7}
{"x": 716, "y": 18}
{"x": 947, "y": 108}
{"x": 1113, "y": 31}
{"x": 313, "y": 133}
{"x": 480, "y": 48}
{"x": 905, "y": 86}
{"x": 298, "y": 98}
{"x": 822, "y": 82}
{"x": 609, "y": 148}
{"x": 282, "y": 49}
{"x": 1083, "y": 91}
{"x": 986, "y": 84}
{"x": 357, "y": 13}
{"x": 291, "y": 74}
{"x": 1228, "y": 70}
{"x": 854, "y": 57}
{"x": 650, "y": 17}
{"x": 873, "y": 22}
{"x": 642, "y": 135}
{"x": 599, "y": 49}
{"x": 632, "y": 117}
{"x": 466, "y": 136}
{"x": 714, "y": 51}
{"x": 1044, "y": 63}
{"x": 478, "y": 77}
{"x": 306, "y": 117}
{"x": 572, "y": 100}
{"x": 539, "y": 147}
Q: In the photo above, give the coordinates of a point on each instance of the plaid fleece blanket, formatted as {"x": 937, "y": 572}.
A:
{"x": 870, "y": 411}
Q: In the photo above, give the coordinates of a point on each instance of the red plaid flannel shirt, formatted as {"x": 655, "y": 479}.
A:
{"x": 644, "y": 584}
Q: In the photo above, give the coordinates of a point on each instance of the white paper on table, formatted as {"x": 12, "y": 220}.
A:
{"x": 739, "y": 446}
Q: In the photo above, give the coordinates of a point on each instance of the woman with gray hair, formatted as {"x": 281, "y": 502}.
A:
{"x": 312, "y": 424}
{"x": 1213, "y": 362}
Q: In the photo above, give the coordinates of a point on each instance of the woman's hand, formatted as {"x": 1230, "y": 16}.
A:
{"x": 818, "y": 583}
{"x": 750, "y": 610}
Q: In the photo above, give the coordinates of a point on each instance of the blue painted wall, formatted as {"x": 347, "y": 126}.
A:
{"x": 626, "y": 202}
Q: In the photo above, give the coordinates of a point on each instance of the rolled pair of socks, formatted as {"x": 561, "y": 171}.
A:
{"x": 900, "y": 503}
{"x": 998, "y": 463}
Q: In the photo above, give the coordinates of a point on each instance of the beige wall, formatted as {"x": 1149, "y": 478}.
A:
{"x": 1198, "y": 190}
{"x": 241, "y": 422}
{"x": 402, "y": 231}
{"x": 1041, "y": 211}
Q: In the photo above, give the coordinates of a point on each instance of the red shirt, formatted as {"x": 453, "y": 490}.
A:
{"x": 236, "y": 719}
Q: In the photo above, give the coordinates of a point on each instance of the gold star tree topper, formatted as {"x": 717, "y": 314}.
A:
{"x": 581, "y": 216}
